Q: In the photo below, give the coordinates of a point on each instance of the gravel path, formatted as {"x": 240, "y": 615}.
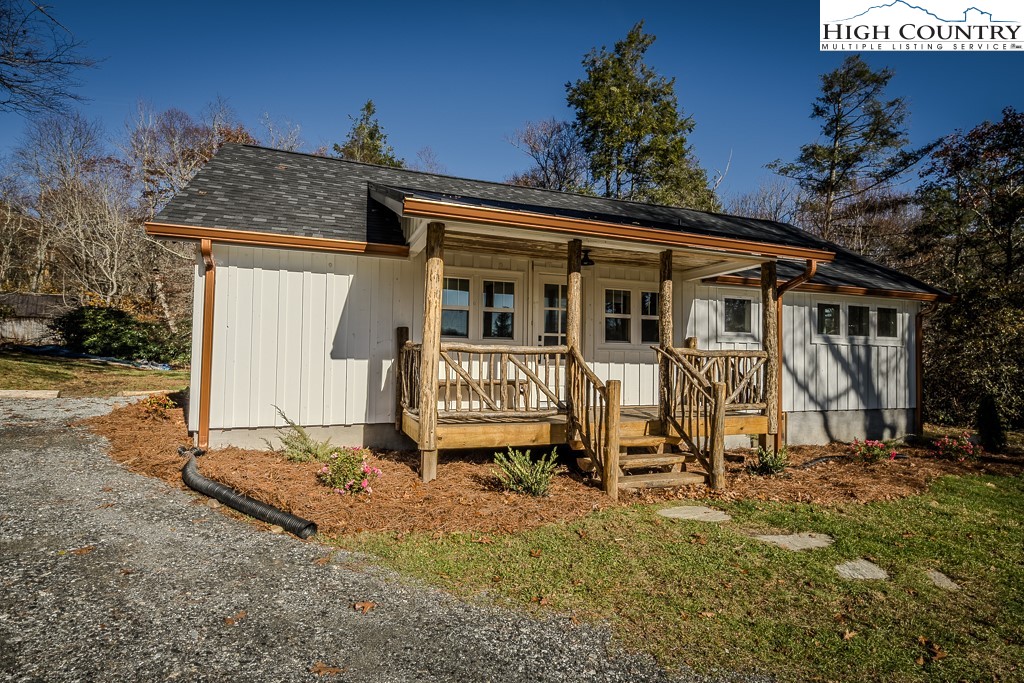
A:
{"x": 110, "y": 576}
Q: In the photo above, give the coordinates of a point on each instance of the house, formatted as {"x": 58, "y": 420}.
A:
{"x": 25, "y": 317}
{"x": 644, "y": 335}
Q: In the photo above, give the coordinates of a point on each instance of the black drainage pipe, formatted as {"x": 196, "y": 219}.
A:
{"x": 303, "y": 528}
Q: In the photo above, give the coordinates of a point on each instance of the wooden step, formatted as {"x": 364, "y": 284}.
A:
{"x": 642, "y": 441}
{"x": 661, "y": 480}
{"x": 632, "y": 461}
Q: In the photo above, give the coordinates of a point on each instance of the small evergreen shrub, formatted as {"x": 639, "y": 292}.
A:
{"x": 111, "y": 332}
{"x": 871, "y": 451}
{"x": 346, "y": 471}
{"x": 518, "y": 472}
{"x": 769, "y": 462}
{"x": 957, "y": 448}
{"x": 989, "y": 423}
{"x": 297, "y": 445}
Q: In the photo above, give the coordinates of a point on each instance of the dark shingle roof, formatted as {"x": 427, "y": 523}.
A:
{"x": 251, "y": 188}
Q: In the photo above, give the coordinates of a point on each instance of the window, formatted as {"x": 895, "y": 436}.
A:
{"x": 888, "y": 325}
{"x": 737, "y": 316}
{"x": 617, "y": 315}
{"x": 554, "y": 315}
{"x": 498, "y": 310}
{"x": 858, "y": 321}
{"x": 649, "y": 305}
{"x": 455, "y": 307}
{"x": 828, "y": 319}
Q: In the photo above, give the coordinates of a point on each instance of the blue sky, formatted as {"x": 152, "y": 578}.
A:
{"x": 460, "y": 77}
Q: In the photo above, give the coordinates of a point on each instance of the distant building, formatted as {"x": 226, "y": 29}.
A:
{"x": 25, "y": 318}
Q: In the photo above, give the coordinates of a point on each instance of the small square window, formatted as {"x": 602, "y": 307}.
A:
{"x": 649, "y": 332}
{"x": 456, "y": 292}
{"x": 888, "y": 325}
{"x": 616, "y": 330}
{"x": 737, "y": 316}
{"x": 828, "y": 319}
{"x": 616, "y": 301}
{"x": 455, "y": 323}
{"x": 858, "y": 322}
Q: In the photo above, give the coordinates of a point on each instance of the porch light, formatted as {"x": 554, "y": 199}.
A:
{"x": 586, "y": 261}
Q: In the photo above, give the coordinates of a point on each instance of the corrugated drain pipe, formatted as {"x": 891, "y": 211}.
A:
{"x": 303, "y": 528}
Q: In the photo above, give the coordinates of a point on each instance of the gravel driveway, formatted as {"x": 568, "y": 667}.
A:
{"x": 109, "y": 576}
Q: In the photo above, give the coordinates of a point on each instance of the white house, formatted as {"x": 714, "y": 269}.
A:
{"x": 537, "y": 312}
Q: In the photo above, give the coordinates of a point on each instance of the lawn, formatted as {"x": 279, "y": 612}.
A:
{"x": 710, "y": 596}
{"x": 75, "y": 377}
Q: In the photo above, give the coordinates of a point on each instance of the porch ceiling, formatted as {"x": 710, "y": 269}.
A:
{"x": 688, "y": 264}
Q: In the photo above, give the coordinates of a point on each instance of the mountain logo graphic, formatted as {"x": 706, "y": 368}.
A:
{"x": 970, "y": 14}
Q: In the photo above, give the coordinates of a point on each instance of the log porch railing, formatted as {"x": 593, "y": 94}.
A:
{"x": 702, "y": 387}
{"x": 594, "y": 414}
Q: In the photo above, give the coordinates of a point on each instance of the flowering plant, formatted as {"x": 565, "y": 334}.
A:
{"x": 346, "y": 471}
{"x": 957, "y": 448}
{"x": 871, "y": 451}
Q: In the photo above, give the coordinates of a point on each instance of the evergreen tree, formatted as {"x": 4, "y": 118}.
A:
{"x": 631, "y": 128}
{"x": 861, "y": 148}
{"x": 367, "y": 141}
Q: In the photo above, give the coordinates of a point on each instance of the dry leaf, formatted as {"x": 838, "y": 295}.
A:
{"x": 234, "y": 621}
{"x": 85, "y": 550}
{"x": 323, "y": 669}
{"x": 495, "y": 578}
{"x": 698, "y": 538}
{"x": 485, "y": 540}
{"x": 364, "y": 606}
{"x": 322, "y": 560}
{"x": 105, "y": 505}
{"x": 848, "y": 634}
{"x": 919, "y": 661}
{"x": 581, "y": 533}
{"x": 535, "y": 552}
{"x": 708, "y": 615}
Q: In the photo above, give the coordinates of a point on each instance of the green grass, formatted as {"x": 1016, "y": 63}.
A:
{"x": 73, "y": 377}
{"x": 710, "y": 596}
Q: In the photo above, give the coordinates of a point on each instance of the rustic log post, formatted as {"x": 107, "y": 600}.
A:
{"x": 770, "y": 342}
{"x": 610, "y": 475}
{"x": 665, "y": 340}
{"x": 401, "y": 336}
{"x": 431, "y": 350}
{"x": 573, "y": 313}
{"x": 718, "y": 436}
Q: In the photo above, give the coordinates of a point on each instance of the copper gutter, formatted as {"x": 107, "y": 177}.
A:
{"x": 424, "y": 208}
{"x": 266, "y": 239}
{"x": 206, "y": 349}
{"x": 922, "y": 313}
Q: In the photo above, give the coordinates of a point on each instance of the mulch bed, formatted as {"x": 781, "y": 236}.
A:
{"x": 465, "y": 497}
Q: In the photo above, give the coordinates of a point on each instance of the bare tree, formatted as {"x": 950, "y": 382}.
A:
{"x": 776, "y": 199}
{"x": 38, "y": 59}
{"x": 559, "y": 161}
{"x": 283, "y": 135}
{"x": 428, "y": 162}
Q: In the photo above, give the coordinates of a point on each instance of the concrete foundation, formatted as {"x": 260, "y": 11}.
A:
{"x": 847, "y": 425}
{"x": 373, "y": 435}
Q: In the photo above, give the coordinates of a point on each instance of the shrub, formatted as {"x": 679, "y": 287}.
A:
{"x": 346, "y": 471}
{"x": 102, "y": 331}
{"x": 298, "y": 446}
{"x": 769, "y": 462}
{"x": 957, "y": 448}
{"x": 989, "y": 423}
{"x": 871, "y": 451}
{"x": 519, "y": 473}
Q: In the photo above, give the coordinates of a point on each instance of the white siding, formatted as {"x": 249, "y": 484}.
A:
{"x": 311, "y": 333}
{"x": 819, "y": 374}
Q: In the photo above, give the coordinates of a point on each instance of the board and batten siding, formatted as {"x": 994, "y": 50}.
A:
{"x": 820, "y": 374}
{"x": 311, "y": 333}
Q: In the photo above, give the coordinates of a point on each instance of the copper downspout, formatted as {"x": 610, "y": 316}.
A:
{"x": 206, "y": 350}
{"x": 922, "y": 313}
{"x": 809, "y": 270}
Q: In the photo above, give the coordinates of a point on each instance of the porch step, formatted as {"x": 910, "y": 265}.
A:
{"x": 661, "y": 480}
{"x": 632, "y": 461}
{"x": 646, "y": 440}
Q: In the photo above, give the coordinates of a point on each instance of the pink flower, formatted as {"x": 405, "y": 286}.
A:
{"x": 365, "y": 483}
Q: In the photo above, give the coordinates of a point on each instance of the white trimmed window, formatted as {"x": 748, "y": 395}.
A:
{"x": 888, "y": 323}
{"x": 455, "y": 307}
{"x": 737, "y": 316}
{"x": 617, "y": 316}
{"x": 631, "y": 315}
{"x": 499, "y": 306}
{"x": 856, "y": 323}
{"x": 481, "y": 308}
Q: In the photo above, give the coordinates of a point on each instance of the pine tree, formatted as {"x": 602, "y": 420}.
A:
{"x": 367, "y": 141}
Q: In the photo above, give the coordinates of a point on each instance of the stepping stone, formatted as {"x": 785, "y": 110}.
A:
{"x": 861, "y": 570}
{"x": 803, "y": 541}
{"x": 942, "y": 581}
{"x": 698, "y": 513}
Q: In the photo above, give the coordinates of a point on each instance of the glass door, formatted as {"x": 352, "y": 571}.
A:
{"x": 551, "y": 318}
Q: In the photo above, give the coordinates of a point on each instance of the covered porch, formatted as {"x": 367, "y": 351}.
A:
{"x": 453, "y": 394}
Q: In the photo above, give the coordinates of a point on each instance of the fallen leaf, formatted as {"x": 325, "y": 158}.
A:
{"x": 323, "y": 669}
{"x": 321, "y": 561}
{"x": 105, "y": 505}
{"x": 581, "y": 533}
{"x": 919, "y": 661}
{"x": 85, "y": 550}
{"x": 234, "y": 621}
{"x": 536, "y": 552}
{"x": 848, "y": 634}
{"x": 708, "y": 615}
{"x": 364, "y": 606}
{"x": 485, "y": 540}
{"x": 698, "y": 538}
{"x": 495, "y": 578}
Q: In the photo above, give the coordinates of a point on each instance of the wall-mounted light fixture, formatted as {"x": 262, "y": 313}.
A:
{"x": 586, "y": 260}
